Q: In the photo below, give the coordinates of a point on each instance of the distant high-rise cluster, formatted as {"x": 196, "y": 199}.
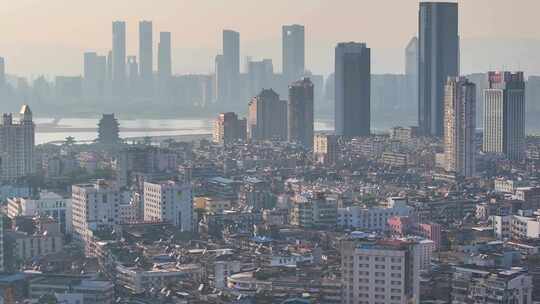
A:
{"x": 17, "y": 145}
{"x": 504, "y": 115}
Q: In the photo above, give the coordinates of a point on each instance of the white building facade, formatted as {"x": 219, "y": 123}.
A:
{"x": 169, "y": 202}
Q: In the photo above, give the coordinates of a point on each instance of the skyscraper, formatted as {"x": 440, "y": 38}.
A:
{"x": 267, "y": 117}
{"x": 145, "y": 51}
{"x": 325, "y": 149}
{"x": 132, "y": 73}
{"x": 411, "y": 57}
{"x": 231, "y": 51}
{"x": 300, "y": 113}
{"x": 17, "y": 145}
{"x": 231, "y": 66}
{"x": 164, "y": 63}
{"x": 293, "y": 51}
{"x": 164, "y": 56}
{"x": 119, "y": 55}
{"x": 228, "y": 128}
{"x": 109, "y": 66}
{"x": 352, "y": 89}
{"x": 411, "y": 68}
{"x": 438, "y": 59}
{"x": 221, "y": 79}
{"x": 460, "y": 126}
{"x": 260, "y": 75}
{"x": 94, "y": 74}
{"x": 2, "y": 72}
{"x": 504, "y": 115}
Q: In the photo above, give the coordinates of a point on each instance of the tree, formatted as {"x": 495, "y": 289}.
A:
{"x": 69, "y": 141}
{"x": 48, "y": 299}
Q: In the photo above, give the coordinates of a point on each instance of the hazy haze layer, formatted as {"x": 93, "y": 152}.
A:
{"x": 49, "y": 37}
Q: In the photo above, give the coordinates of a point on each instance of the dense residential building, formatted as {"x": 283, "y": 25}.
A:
{"x": 169, "y": 202}
{"x": 95, "y": 207}
{"x": 300, "y": 113}
{"x": 173, "y": 214}
{"x": 81, "y": 288}
{"x": 491, "y": 286}
{"x": 267, "y": 117}
{"x": 460, "y": 127}
{"x": 404, "y": 134}
{"x": 293, "y": 51}
{"x": 17, "y": 145}
{"x": 139, "y": 280}
{"x": 229, "y": 129}
{"x": 46, "y": 204}
{"x": 47, "y": 239}
{"x": 438, "y": 59}
{"x": 108, "y": 130}
{"x": 311, "y": 212}
{"x": 380, "y": 271}
{"x": 325, "y": 149}
{"x": 504, "y": 115}
{"x": 352, "y": 89}
{"x": 372, "y": 218}
{"x": 256, "y": 194}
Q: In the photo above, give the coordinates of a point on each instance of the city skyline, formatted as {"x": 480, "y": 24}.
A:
{"x": 307, "y": 151}
{"x": 261, "y": 41}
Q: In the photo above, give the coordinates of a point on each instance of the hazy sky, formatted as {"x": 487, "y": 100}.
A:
{"x": 49, "y": 36}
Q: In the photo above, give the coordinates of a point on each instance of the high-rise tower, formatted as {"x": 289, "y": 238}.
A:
{"x": 17, "y": 145}
{"x": 145, "y": 50}
{"x": 293, "y": 51}
{"x": 504, "y": 115}
{"x": 460, "y": 126}
{"x": 438, "y": 59}
{"x": 267, "y": 117}
{"x": 300, "y": 113}
{"x": 118, "y": 55}
{"x": 352, "y": 89}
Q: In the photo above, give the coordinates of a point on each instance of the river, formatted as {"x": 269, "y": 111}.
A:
{"x": 85, "y": 129}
